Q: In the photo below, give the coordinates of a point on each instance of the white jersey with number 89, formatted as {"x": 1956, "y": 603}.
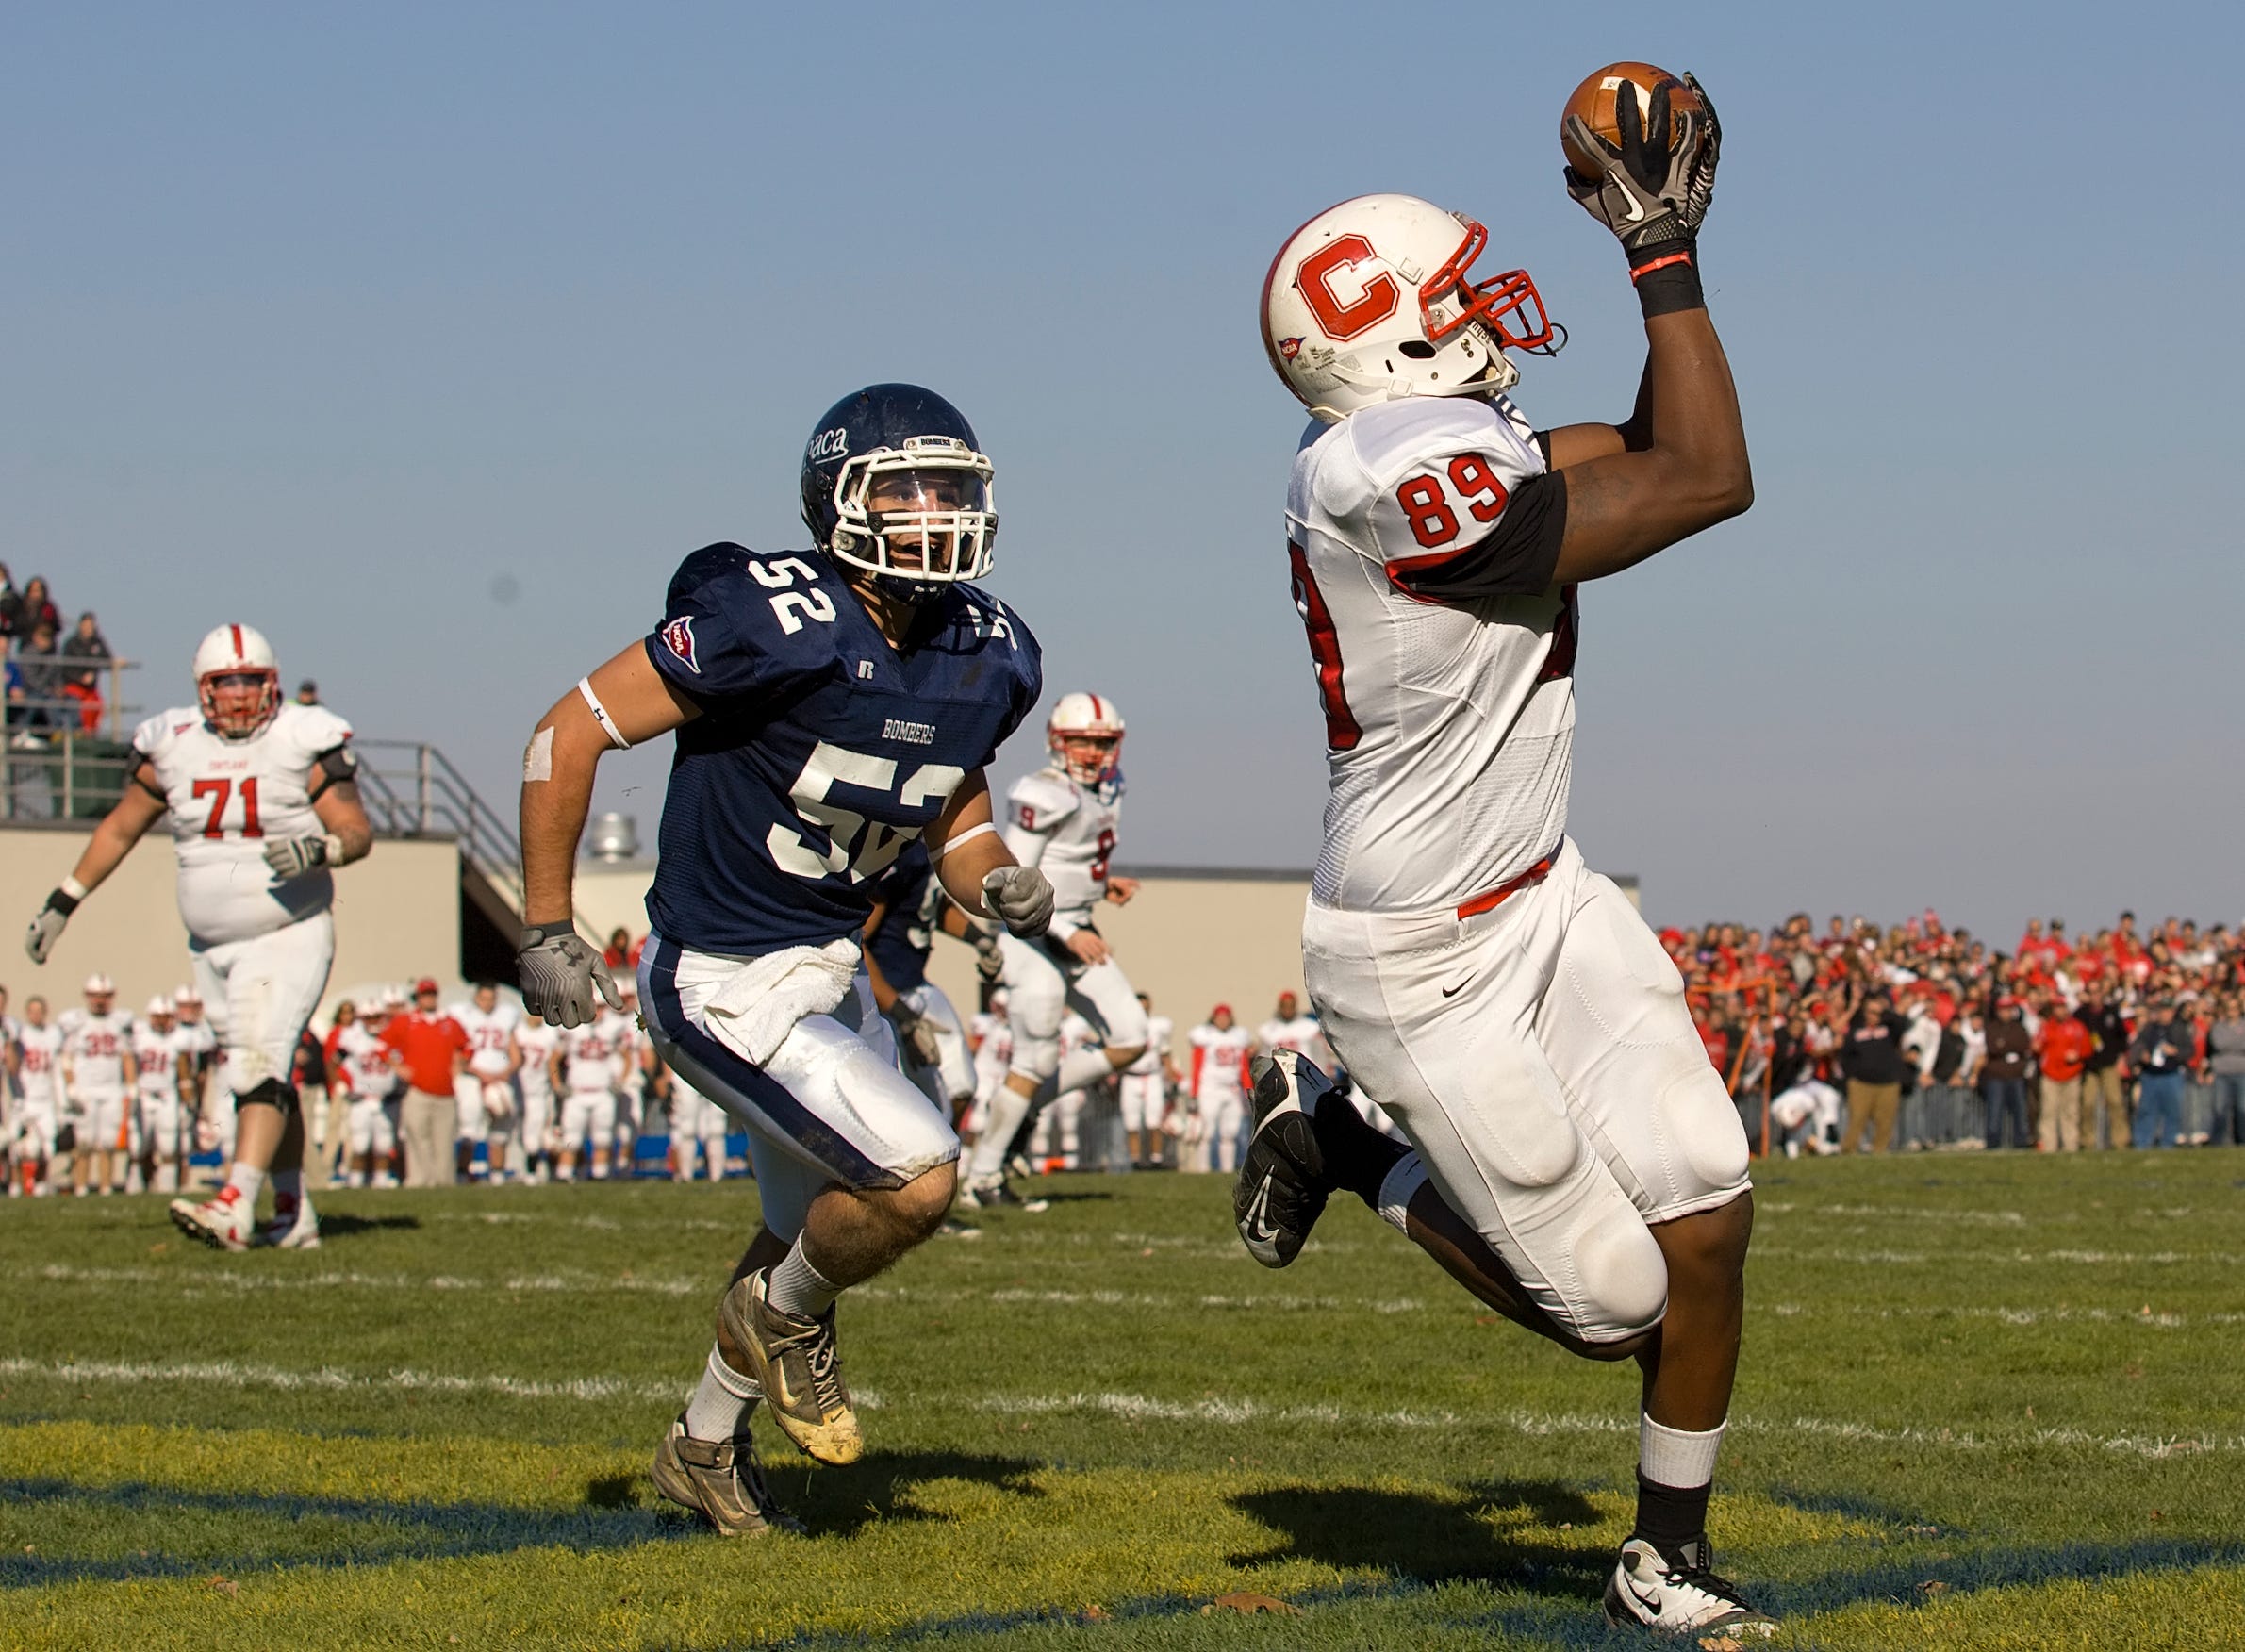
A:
{"x": 226, "y": 798}
{"x": 1449, "y": 729}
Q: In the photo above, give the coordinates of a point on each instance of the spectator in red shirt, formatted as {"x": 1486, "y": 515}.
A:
{"x": 2065, "y": 1046}
{"x": 432, "y": 1052}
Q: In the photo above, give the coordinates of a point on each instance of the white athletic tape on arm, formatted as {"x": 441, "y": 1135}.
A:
{"x": 600, "y": 715}
{"x": 967, "y": 836}
{"x": 538, "y": 758}
{"x": 72, "y": 888}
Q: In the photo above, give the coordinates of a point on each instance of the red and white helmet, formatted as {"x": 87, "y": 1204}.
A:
{"x": 1373, "y": 300}
{"x": 160, "y": 1007}
{"x": 237, "y": 710}
{"x": 99, "y": 985}
{"x": 1086, "y": 717}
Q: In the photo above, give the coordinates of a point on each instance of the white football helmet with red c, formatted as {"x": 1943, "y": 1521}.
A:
{"x": 236, "y": 709}
{"x": 1086, "y": 717}
{"x": 1374, "y": 300}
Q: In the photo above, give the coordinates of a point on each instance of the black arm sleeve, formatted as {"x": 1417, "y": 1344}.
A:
{"x": 1517, "y": 558}
{"x": 142, "y": 775}
{"x": 337, "y": 765}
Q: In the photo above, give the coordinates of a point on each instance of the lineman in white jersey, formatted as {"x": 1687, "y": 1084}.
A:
{"x": 98, "y": 1077}
{"x": 1289, "y": 1029}
{"x": 1573, "y": 1158}
{"x": 536, "y": 1043}
{"x": 485, "y": 1092}
{"x": 1144, "y": 1090}
{"x": 696, "y": 1122}
{"x": 36, "y": 1062}
{"x": 160, "y": 1103}
{"x": 261, "y": 801}
{"x": 1061, "y": 820}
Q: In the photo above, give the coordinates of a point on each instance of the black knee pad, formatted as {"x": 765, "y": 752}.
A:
{"x": 271, "y": 1093}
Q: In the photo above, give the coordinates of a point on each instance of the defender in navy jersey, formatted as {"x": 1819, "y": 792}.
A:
{"x": 909, "y": 907}
{"x": 832, "y": 708}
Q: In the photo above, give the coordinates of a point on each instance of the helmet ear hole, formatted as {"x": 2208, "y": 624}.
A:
{"x": 1417, "y": 349}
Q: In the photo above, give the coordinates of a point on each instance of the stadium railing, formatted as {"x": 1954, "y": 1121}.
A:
{"x": 56, "y": 767}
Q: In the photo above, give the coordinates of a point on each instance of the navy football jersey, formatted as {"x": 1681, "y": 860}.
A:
{"x": 906, "y": 934}
{"x": 822, "y": 752}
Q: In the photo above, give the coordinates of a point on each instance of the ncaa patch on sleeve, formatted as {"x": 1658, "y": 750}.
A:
{"x": 678, "y": 637}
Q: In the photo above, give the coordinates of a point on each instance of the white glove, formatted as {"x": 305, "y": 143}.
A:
{"x": 291, "y": 857}
{"x": 1020, "y": 898}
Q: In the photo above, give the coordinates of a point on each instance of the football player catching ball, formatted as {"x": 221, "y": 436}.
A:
{"x": 1572, "y": 1157}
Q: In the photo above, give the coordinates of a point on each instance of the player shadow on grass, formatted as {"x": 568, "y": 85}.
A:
{"x": 259, "y": 1531}
{"x": 339, "y": 1225}
{"x": 841, "y": 1502}
{"x": 1432, "y": 1540}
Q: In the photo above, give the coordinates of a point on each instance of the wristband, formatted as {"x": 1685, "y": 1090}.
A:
{"x": 62, "y": 901}
{"x": 75, "y": 890}
{"x": 1668, "y": 278}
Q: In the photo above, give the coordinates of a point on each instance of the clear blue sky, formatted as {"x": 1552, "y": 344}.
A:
{"x": 352, "y": 323}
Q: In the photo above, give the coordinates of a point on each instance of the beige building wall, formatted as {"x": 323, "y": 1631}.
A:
{"x": 397, "y": 917}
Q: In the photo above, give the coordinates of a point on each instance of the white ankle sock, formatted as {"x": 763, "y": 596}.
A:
{"x": 797, "y": 1289}
{"x": 1008, "y": 1108}
{"x": 721, "y": 1403}
{"x": 1405, "y": 1176}
{"x": 247, "y": 1180}
{"x": 1675, "y": 1457}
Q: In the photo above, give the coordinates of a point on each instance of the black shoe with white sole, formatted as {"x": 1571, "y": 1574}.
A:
{"x": 1650, "y": 1590}
{"x": 1283, "y": 1182}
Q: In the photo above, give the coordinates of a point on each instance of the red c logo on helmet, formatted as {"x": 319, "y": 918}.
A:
{"x": 1345, "y": 320}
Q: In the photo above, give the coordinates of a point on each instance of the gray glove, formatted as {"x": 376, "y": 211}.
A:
{"x": 1020, "y": 898}
{"x": 558, "y": 973}
{"x": 1651, "y": 191}
{"x": 47, "y": 925}
{"x": 989, "y": 962}
{"x": 291, "y": 857}
{"x": 916, "y": 1033}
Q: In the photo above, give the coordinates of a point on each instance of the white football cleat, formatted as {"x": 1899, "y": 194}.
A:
{"x": 224, "y": 1223}
{"x": 1645, "y": 1589}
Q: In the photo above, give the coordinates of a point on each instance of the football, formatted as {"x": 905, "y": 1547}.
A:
{"x": 1597, "y": 100}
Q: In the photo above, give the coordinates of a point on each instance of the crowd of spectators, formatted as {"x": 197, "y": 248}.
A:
{"x": 1919, "y": 1036}
{"x": 55, "y": 675}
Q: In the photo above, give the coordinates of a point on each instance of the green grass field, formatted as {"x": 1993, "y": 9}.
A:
{"x": 1985, "y": 1403}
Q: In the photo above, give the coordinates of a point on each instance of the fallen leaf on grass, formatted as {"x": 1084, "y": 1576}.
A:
{"x": 1247, "y": 1602}
{"x": 225, "y": 1586}
{"x": 1720, "y": 1644}
{"x": 1097, "y": 1615}
{"x": 1933, "y": 1586}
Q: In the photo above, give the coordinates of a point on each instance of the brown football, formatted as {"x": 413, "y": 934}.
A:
{"x": 1597, "y": 98}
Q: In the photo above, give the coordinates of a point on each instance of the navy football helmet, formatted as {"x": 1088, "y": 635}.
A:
{"x": 894, "y": 483}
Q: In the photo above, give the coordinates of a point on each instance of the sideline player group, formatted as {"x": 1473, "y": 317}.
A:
{"x": 1560, "y": 1146}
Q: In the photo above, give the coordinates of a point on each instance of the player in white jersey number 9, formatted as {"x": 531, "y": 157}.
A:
{"x": 1573, "y": 1158}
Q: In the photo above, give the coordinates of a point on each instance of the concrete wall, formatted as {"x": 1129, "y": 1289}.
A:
{"x": 397, "y": 917}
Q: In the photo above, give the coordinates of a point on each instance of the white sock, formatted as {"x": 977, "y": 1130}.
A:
{"x": 797, "y": 1289}
{"x": 246, "y": 1180}
{"x": 1405, "y": 1176}
{"x": 1082, "y": 1068}
{"x": 722, "y": 1401}
{"x": 1674, "y": 1456}
{"x": 1008, "y": 1108}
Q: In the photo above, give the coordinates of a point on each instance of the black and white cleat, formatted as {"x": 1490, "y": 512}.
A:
{"x": 1282, "y": 1181}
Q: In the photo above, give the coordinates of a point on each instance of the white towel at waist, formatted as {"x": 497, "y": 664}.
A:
{"x": 756, "y": 1010}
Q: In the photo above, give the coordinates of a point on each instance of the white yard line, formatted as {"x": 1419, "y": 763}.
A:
{"x": 1130, "y": 1407}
